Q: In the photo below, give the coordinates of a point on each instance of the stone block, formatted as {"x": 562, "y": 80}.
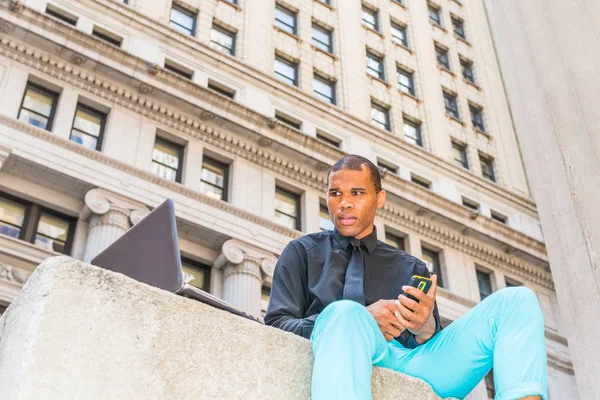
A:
{"x": 81, "y": 332}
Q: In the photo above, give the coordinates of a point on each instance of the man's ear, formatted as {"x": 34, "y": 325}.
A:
{"x": 381, "y": 196}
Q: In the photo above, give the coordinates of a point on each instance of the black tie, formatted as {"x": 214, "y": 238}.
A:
{"x": 355, "y": 275}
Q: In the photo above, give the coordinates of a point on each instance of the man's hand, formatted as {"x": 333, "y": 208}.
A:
{"x": 383, "y": 312}
{"x": 417, "y": 317}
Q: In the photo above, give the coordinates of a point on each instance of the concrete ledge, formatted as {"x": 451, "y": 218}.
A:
{"x": 80, "y": 332}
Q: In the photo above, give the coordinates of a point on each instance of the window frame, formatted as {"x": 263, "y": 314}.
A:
{"x": 181, "y": 152}
{"x": 61, "y": 15}
{"x": 279, "y": 23}
{"x": 375, "y": 14}
{"x": 226, "y": 32}
{"x": 460, "y": 23}
{"x": 442, "y": 52}
{"x": 401, "y": 28}
{"x": 329, "y": 139}
{"x": 31, "y": 220}
{"x": 200, "y": 265}
{"x": 477, "y": 123}
{"x": 218, "y": 164}
{"x": 103, "y": 117}
{"x": 282, "y": 77}
{"x": 386, "y": 111}
{"x": 326, "y": 47}
{"x": 437, "y": 258}
{"x": 411, "y": 90}
{"x": 451, "y": 104}
{"x": 332, "y": 85}
{"x": 417, "y": 125}
{"x": 421, "y": 181}
{"x": 462, "y": 148}
{"x": 437, "y": 21}
{"x": 187, "y": 12}
{"x": 40, "y": 89}
{"x": 467, "y": 65}
{"x": 105, "y": 35}
{"x": 490, "y": 173}
{"x": 297, "y": 200}
{"x": 395, "y": 238}
{"x": 379, "y": 60}
{"x": 487, "y": 275}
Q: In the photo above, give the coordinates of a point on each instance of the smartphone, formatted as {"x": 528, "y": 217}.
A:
{"x": 421, "y": 283}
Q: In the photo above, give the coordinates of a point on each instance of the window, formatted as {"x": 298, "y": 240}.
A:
{"x": 286, "y": 71}
{"x": 375, "y": 66}
{"x": 387, "y": 166}
{"x": 61, "y": 14}
{"x": 442, "y": 57}
{"x": 222, "y": 40}
{"x": 496, "y": 216}
{"x": 395, "y": 240}
{"x": 38, "y": 106}
{"x": 412, "y": 132}
{"x": 487, "y": 167}
{"x": 459, "y": 27}
{"x": 287, "y": 208}
{"x": 459, "y": 152}
{"x": 328, "y": 2}
{"x": 88, "y": 127}
{"x": 183, "y": 20}
{"x": 167, "y": 159}
{"x": 289, "y": 121}
{"x": 321, "y": 38}
{"x": 221, "y": 89}
{"x": 35, "y": 224}
{"x": 330, "y": 140}
{"x": 285, "y": 19}
{"x": 451, "y": 105}
{"x": 196, "y": 274}
{"x": 489, "y": 385}
{"x": 214, "y": 178}
{"x": 435, "y": 15}
{"x": 477, "y": 117}
{"x": 406, "y": 81}
{"x": 399, "y": 34}
{"x": 380, "y": 117}
{"x": 107, "y": 36}
{"x": 324, "y": 89}
{"x": 178, "y": 69}
{"x": 232, "y": 1}
{"x": 370, "y": 18}
{"x": 467, "y": 70}
{"x": 485, "y": 284}
{"x": 511, "y": 282}
{"x": 432, "y": 260}
{"x": 324, "y": 219}
{"x": 470, "y": 204}
{"x": 420, "y": 181}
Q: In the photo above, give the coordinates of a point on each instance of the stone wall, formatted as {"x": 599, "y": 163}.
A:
{"x": 77, "y": 331}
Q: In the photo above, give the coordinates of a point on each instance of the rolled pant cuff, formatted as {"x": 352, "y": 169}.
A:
{"x": 524, "y": 389}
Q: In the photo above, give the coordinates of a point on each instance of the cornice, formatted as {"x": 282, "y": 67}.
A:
{"x": 361, "y": 128}
{"x": 195, "y": 127}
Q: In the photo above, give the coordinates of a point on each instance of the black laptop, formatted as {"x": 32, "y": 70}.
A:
{"x": 149, "y": 253}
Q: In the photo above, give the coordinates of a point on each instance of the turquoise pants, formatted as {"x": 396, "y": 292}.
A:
{"x": 504, "y": 331}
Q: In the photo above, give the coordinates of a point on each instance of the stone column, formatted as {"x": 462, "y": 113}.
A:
{"x": 110, "y": 216}
{"x": 549, "y": 54}
{"x": 239, "y": 273}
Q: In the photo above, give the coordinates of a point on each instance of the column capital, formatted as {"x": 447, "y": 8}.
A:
{"x": 235, "y": 252}
{"x": 100, "y": 201}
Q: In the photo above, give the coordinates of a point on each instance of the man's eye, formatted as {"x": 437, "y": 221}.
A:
{"x": 356, "y": 193}
{"x": 334, "y": 193}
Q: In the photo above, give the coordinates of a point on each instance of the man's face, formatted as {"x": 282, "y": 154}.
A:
{"x": 352, "y": 202}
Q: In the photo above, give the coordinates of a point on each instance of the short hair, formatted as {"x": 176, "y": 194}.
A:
{"x": 355, "y": 162}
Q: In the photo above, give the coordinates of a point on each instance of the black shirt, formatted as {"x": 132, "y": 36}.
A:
{"x": 310, "y": 273}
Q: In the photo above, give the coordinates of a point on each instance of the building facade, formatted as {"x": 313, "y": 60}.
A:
{"x": 236, "y": 110}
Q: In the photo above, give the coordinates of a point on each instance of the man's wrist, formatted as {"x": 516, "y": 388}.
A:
{"x": 428, "y": 332}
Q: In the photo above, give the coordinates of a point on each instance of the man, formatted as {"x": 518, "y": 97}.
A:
{"x": 342, "y": 289}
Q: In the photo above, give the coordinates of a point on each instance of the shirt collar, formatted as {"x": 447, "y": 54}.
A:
{"x": 370, "y": 241}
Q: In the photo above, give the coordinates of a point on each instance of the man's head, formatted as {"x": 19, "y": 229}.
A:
{"x": 353, "y": 195}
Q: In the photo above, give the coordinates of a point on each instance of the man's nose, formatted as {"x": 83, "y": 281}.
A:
{"x": 346, "y": 203}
